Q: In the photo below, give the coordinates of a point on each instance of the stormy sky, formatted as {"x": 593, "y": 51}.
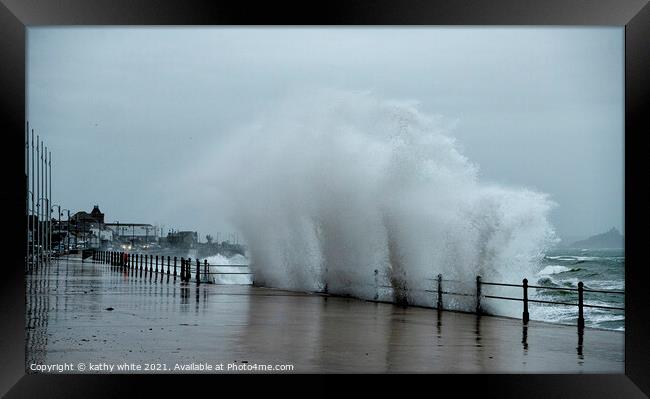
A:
{"x": 123, "y": 110}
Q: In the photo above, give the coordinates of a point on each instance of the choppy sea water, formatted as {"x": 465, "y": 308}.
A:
{"x": 602, "y": 269}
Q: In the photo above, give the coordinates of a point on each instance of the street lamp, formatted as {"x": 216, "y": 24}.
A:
{"x": 30, "y": 226}
{"x": 59, "y": 222}
{"x": 41, "y": 230}
{"x": 67, "y": 233}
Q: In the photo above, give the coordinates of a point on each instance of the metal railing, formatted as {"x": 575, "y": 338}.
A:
{"x": 525, "y": 299}
{"x": 182, "y": 268}
{"x": 186, "y": 268}
{"x": 478, "y": 294}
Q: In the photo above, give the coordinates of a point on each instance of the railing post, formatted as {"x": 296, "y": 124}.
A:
{"x": 188, "y": 269}
{"x": 581, "y": 318}
{"x": 478, "y": 294}
{"x": 205, "y": 262}
{"x": 376, "y": 284}
{"x": 156, "y": 264}
{"x": 150, "y": 264}
{"x": 524, "y": 316}
{"x": 174, "y": 268}
{"x": 198, "y": 271}
{"x": 439, "y": 305}
{"x": 182, "y": 269}
{"x": 168, "y": 265}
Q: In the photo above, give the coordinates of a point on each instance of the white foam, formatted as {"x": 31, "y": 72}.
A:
{"x": 562, "y": 258}
{"x": 236, "y": 260}
{"x": 349, "y": 191}
{"x": 553, "y": 269}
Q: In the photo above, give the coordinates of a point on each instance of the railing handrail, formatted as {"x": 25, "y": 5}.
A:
{"x": 189, "y": 267}
{"x": 616, "y": 292}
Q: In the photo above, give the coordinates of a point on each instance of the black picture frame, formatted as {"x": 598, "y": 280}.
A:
{"x": 17, "y": 15}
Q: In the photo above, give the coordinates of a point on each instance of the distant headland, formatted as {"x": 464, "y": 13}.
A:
{"x": 610, "y": 239}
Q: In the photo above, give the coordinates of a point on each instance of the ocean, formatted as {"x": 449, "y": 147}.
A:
{"x": 601, "y": 269}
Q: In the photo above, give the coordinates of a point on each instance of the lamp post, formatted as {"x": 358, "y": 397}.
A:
{"x": 67, "y": 233}
{"x": 28, "y": 192}
{"x": 30, "y": 226}
{"x": 59, "y": 222}
{"x": 38, "y": 195}
{"x": 32, "y": 193}
{"x": 49, "y": 199}
{"x": 40, "y": 211}
{"x": 46, "y": 210}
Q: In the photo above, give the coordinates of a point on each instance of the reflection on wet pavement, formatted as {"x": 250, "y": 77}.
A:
{"x": 83, "y": 312}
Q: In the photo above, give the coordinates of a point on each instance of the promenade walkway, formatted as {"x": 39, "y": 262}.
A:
{"x": 89, "y": 313}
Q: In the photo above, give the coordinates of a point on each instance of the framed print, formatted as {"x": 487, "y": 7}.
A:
{"x": 433, "y": 188}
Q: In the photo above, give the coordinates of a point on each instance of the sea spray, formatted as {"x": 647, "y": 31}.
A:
{"x": 351, "y": 194}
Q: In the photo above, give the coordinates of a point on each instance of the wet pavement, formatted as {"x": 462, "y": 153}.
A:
{"x": 156, "y": 320}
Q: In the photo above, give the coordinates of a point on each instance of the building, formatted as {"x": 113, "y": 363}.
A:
{"x": 135, "y": 233}
{"x": 81, "y": 226}
{"x": 182, "y": 239}
{"x": 83, "y": 221}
